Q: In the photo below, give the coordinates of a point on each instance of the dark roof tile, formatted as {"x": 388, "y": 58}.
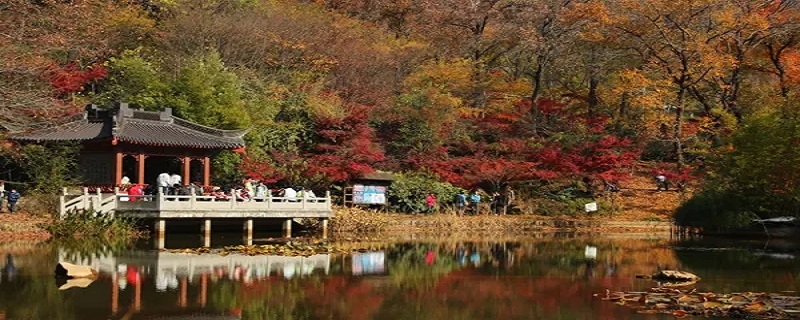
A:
{"x": 74, "y": 131}
{"x": 139, "y": 127}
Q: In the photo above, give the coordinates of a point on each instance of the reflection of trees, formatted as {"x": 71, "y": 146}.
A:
{"x": 32, "y": 295}
{"x": 86, "y": 249}
{"x": 408, "y": 267}
{"x": 267, "y": 299}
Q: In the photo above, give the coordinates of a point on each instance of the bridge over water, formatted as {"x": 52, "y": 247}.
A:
{"x": 159, "y": 209}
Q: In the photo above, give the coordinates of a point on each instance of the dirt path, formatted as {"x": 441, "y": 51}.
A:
{"x": 639, "y": 200}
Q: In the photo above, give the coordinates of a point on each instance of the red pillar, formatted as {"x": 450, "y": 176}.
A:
{"x": 140, "y": 158}
{"x": 206, "y": 171}
{"x": 117, "y": 168}
{"x": 187, "y": 164}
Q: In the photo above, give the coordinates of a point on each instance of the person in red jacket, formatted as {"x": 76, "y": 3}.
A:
{"x": 135, "y": 192}
{"x": 430, "y": 202}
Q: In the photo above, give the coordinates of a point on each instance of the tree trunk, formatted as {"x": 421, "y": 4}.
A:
{"x": 593, "y": 99}
{"x": 678, "y": 128}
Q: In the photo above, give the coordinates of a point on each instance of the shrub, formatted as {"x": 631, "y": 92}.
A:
{"x": 715, "y": 211}
{"x": 92, "y": 224}
{"x": 408, "y": 191}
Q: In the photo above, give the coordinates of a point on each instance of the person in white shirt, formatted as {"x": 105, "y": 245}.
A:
{"x": 309, "y": 195}
{"x": 163, "y": 182}
{"x": 289, "y": 194}
{"x": 261, "y": 191}
{"x": 175, "y": 179}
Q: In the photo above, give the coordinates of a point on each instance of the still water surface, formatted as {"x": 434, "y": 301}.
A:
{"x": 545, "y": 277}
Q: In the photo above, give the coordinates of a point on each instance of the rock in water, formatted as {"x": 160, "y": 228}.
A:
{"x": 70, "y": 271}
{"x": 674, "y": 275}
{"x": 76, "y": 283}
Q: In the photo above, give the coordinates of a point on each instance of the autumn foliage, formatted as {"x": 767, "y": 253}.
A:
{"x": 481, "y": 94}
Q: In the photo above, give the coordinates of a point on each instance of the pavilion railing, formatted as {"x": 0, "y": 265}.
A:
{"x": 110, "y": 203}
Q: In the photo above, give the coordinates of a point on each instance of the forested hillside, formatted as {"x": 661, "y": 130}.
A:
{"x": 536, "y": 93}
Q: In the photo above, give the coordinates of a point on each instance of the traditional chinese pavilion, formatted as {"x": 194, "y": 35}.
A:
{"x": 139, "y": 144}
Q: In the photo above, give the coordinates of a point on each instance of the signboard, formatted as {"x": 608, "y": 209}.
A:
{"x": 369, "y": 194}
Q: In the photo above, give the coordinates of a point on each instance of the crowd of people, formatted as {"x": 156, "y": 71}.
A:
{"x": 498, "y": 202}
{"x": 248, "y": 190}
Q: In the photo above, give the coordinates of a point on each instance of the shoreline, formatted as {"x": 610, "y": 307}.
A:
{"x": 28, "y": 227}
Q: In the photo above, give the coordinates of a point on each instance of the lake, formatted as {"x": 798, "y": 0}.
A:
{"x": 542, "y": 276}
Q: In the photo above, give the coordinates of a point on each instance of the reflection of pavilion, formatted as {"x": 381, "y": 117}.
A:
{"x": 174, "y": 271}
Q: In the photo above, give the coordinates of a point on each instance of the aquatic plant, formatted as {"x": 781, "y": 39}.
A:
{"x": 682, "y": 303}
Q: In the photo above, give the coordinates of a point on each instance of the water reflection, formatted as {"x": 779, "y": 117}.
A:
{"x": 9, "y": 269}
{"x": 526, "y": 279}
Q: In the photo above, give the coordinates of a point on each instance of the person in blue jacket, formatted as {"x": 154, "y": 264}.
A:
{"x": 12, "y": 197}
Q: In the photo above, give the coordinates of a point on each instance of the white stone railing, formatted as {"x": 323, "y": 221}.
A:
{"x": 194, "y": 206}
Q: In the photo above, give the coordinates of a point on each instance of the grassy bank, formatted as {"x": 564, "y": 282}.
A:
{"x": 355, "y": 220}
{"x": 22, "y": 227}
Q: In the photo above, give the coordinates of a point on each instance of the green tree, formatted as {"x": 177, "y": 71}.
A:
{"x": 755, "y": 178}
{"x": 134, "y": 79}
{"x": 208, "y": 93}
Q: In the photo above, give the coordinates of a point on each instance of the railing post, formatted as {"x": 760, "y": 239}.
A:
{"x": 160, "y": 198}
{"x": 98, "y": 204}
{"x": 233, "y": 199}
{"x": 85, "y": 198}
{"x": 62, "y": 209}
{"x": 115, "y": 201}
{"x": 192, "y": 200}
{"x": 269, "y": 199}
{"x": 305, "y": 199}
{"x": 328, "y": 198}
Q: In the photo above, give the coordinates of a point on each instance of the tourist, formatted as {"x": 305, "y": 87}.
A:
{"x": 461, "y": 202}
{"x": 219, "y": 194}
{"x": 196, "y": 189}
{"x": 135, "y": 192}
{"x": 474, "y": 202}
{"x": 12, "y": 198}
{"x": 2, "y": 194}
{"x": 308, "y": 194}
{"x": 249, "y": 187}
{"x": 183, "y": 191}
{"x": 289, "y": 194}
{"x": 124, "y": 182}
{"x": 496, "y": 203}
{"x": 175, "y": 179}
{"x": 163, "y": 183}
{"x": 430, "y": 203}
{"x": 261, "y": 190}
{"x": 611, "y": 186}
{"x": 661, "y": 182}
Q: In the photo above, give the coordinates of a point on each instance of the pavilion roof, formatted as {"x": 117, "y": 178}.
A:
{"x": 136, "y": 127}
